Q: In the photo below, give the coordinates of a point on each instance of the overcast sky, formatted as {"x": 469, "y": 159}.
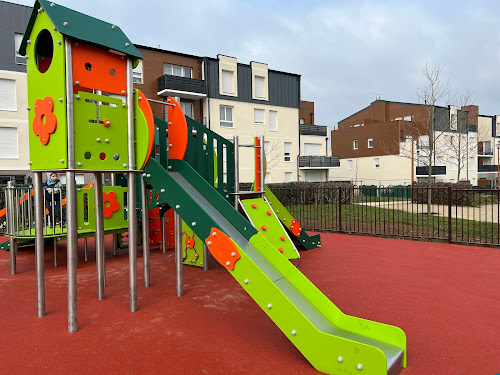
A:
{"x": 347, "y": 52}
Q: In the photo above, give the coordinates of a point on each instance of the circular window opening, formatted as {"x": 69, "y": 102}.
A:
{"x": 44, "y": 51}
{"x": 88, "y": 66}
{"x": 88, "y": 155}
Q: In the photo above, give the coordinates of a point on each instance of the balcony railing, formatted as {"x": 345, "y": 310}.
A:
{"x": 168, "y": 82}
{"x": 435, "y": 171}
{"x": 319, "y": 130}
{"x": 487, "y": 168}
{"x": 485, "y": 152}
{"x": 319, "y": 161}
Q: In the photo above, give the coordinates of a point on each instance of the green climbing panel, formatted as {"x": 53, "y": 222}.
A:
{"x": 308, "y": 242}
{"x": 99, "y": 145}
{"x": 49, "y": 149}
{"x": 192, "y": 247}
{"x": 264, "y": 219}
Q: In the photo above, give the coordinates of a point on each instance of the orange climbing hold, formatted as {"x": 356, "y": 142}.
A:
{"x": 269, "y": 212}
{"x": 282, "y": 238}
{"x": 45, "y": 121}
{"x": 281, "y": 250}
{"x": 222, "y": 248}
{"x": 189, "y": 242}
{"x": 295, "y": 228}
{"x": 264, "y": 227}
{"x": 254, "y": 205}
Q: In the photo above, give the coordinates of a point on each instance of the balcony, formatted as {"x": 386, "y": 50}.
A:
{"x": 319, "y": 130}
{"x": 487, "y": 168}
{"x": 437, "y": 170}
{"x": 187, "y": 88}
{"x": 319, "y": 161}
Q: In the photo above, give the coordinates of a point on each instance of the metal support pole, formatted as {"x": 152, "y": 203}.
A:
{"x": 11, "y": 206}
{"x": 72, "y": 225}
{"x": 178, "y": 253}
{"x": 55, "y": 251}
{"x": 205, "y": 257}
{"x": 236, "y": 143}
{"x": 99, "y": 234}
{"x": 85, "y": 249}
{"x": 145, "y": 233}
{"x": 164, "y": 232}
{"x": 39, "y": 245}
{"x": 132, "y": 192}
{"x": 262, "y": 166}
{"x": 115, "y": 236}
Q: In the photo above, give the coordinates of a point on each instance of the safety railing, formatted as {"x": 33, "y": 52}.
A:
{"x": 19, "y": 213}
{"x": 454, "y": 215}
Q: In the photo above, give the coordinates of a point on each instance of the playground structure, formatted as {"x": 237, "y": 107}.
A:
{"x": 86, "y": 116}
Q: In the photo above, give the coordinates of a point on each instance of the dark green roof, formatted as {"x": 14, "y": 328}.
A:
{"x": 80, "y": 26}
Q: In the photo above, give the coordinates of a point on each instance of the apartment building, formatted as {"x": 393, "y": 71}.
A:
{"x": 488, "y": 154}
{"x": 387, "y": 143}
{"x": 230, "y": 98}
{"x": 14, "y": 153}
{"x": 314, "y": 161}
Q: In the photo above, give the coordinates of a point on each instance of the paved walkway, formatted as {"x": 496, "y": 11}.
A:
{"x": 486, "y": 212}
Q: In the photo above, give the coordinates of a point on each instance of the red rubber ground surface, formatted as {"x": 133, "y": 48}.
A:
{"x": 445, "y": 297}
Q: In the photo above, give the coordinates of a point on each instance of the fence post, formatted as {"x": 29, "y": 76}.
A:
{"x": 449, "y": 214}
{"x": 340, "y": 209}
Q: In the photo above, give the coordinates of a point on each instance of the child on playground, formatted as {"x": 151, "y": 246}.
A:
{"x": 53, "y": 198}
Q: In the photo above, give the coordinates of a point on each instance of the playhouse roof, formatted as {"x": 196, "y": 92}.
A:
{"x": 80, "y": 26}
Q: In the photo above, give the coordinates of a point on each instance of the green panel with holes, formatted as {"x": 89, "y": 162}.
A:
{"x": 115, "y": 205}
{"x": 263, "y": 218}
{"x": 49, "y": 149}
{"x": 192, "y": 247}
{"x": 100, "y": 132}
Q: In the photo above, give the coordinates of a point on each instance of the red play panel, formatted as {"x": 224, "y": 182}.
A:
{"x": 445, "y": 297}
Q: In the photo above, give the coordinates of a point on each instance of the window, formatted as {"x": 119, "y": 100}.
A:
{"x": 407, "y": 118}
{"x": 314, "y": 176}
{"x": 227, "y": 82}
{"x": 137, "y": 73}
{"x": 377, "y": 163}
{"x": 18, "y": 38}
{"x": 452, "y": 163}
{"x": 8, "y": 143}
{"x": 288, "y": 176}
{"x": 349, "y": 165}
{"x": 370, "y": 142}
{"x": 312, "y": 149}
{"x": 7, "y": 95}
{"x": 268, "y": 176}
{"x": 398, "y": 119}
{"x": 273, "y": 121}
{"x": 259, "y": 87}
{"x": 226, "y": 117}
{"x": 266, "y": 147}
{"x": 187, "y": 108}
{"x": 258, "y": 116}
{"x": 288, "y": 151}
{"x": 176, "y": 70}
{"x": 301, "y": 121}
{"x": 471, "y": 164}
{"x": 355, "y": 144}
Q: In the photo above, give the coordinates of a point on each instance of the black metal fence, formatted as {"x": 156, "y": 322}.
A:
{"x": 455, "y": 215}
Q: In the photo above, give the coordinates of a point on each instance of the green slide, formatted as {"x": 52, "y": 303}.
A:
{"x": 308, "y": 242}
{"x": 333, "y": 342}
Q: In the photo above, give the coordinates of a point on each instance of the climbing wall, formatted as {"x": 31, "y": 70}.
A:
{"x": 264, "y": 219}
{"x": 192, "y": 247}
{"x": 155, "y": 234}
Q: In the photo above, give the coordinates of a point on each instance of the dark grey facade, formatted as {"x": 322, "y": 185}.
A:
{"x": 442, "y": 121}
{"x": 13, "y": 19}
{"x": 284, "y": 88}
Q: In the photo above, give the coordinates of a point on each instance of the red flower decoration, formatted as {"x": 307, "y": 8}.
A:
{"x": 189, "y": 242}
{"x": 45, "y": 122}
{"x": 110, "y": 204}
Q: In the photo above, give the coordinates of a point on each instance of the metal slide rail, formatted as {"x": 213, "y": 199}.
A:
{"x": 456, "y": 215}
